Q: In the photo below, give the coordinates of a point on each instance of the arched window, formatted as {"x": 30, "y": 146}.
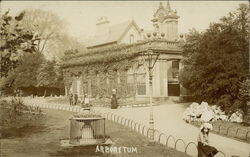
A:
{"x": 131, "y": 38}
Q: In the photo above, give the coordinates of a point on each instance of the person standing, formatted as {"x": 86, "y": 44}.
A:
{"x": 70, "y": 99}
{"x": 86, "y": 100}
{"x": 114, "y": 102}
{"x": 204, "y": 149}
{"x": 75, "y": 99}
{"x": 82, "y": 101}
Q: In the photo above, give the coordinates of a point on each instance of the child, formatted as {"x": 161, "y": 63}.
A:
{"x": 86, "y": 100}
{"x": 204, "y": 149}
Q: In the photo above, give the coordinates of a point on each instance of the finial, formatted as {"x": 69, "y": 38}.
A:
{"x": 168, "y": 6}
{"x": 161, "y": 6}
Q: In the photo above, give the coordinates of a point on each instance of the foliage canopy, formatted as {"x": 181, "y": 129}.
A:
{"x": 216, "y": 61}
{"x": 14, "y": 42}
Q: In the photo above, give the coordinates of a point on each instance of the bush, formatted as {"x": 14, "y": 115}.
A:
{"x": 14, "y": 114}
{"x": 216, "y": 62}
{"x": 204, "y": 113}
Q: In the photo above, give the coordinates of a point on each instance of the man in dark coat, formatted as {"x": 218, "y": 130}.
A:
{"x": 75, "y": 99}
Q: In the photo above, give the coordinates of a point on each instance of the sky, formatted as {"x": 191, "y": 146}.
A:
{"x": 81, "y": 16}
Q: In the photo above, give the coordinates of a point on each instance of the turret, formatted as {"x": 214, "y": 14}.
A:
{"x": 166, "y": 21}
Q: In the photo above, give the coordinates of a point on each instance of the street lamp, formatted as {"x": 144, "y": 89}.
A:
{"x": 151, "y": 57}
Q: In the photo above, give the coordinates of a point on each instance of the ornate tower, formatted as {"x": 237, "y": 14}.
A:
{"x": 166, "y": 21}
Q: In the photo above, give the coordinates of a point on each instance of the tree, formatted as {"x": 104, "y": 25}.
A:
{"x": 15, "y": 41}
{"x": 54, "y": 41}
{"x": 59, "y": 76}
{"x": 64, "y": 43}
{"x": 216, "y": 61}
{"x": 34, "y": 75}
{"x": 47, "y": 25}
{"x": 46, "y": 74}
{"x": 19, "y": 37}
{"x": 27, "y": 71}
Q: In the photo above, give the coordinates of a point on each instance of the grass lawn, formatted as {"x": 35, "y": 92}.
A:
{"x": 44, "y": 140}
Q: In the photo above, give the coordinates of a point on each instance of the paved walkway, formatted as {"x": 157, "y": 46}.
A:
{"x": 168, "y": 120}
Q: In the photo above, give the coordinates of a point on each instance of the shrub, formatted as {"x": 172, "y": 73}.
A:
{"x": 14, "y": 114}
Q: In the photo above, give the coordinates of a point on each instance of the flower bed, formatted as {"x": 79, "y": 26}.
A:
{"x": 203, "y": 112}
{"x": 227, "y": 125}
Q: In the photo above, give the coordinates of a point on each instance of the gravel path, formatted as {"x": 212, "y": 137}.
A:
{"x": 168, "y": 119}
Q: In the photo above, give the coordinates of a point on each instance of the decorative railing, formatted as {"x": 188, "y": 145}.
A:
{"x": 230, "y": 131}
{"x": 161, "y": 138}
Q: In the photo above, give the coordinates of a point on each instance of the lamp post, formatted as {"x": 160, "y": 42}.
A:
{"x": 151, "y": 57}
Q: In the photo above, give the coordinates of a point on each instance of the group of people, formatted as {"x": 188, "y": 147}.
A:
{"x": 74, "y": 100}
{"x": 85, "y": 102}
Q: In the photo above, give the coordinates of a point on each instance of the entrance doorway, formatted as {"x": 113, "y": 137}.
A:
{"x": 173, "y": 89}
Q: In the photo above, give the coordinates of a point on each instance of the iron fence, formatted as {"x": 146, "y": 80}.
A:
{"x": 142, "y": 129}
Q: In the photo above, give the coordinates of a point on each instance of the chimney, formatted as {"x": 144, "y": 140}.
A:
{"x": 102, "y": 25}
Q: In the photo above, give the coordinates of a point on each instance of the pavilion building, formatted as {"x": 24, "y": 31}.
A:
{"x": 116, "y": 58}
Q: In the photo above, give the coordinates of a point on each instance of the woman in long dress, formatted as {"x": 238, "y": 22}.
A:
{"x": 114, "y": 102}
{"x": 204, "y": 149}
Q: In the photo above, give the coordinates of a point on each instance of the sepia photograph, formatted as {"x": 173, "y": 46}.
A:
{"x": 124, "y": 78}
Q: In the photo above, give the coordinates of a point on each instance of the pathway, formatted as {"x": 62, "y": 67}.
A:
{"x": 168, "y": 120}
